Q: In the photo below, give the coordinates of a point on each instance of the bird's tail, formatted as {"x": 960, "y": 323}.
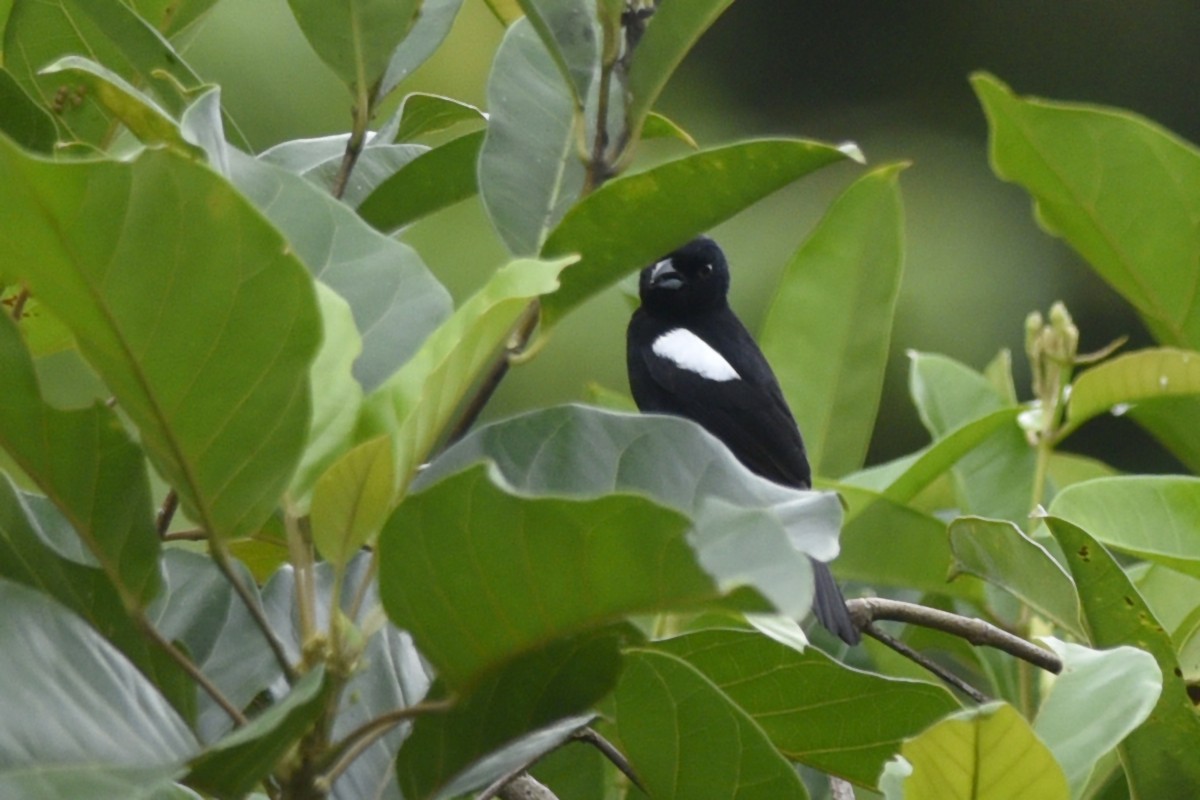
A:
{"x": 829, "y": 606}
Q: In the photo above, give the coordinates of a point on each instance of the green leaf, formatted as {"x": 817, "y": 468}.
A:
{"x": 234, "y": 765}
{"x": 506, "y": 11}
{"x": 813, "y": 709}
{"x": 421, "y": 114}
{"x": 419, "y": 401}
{"x": 199, "y": 608}
{"x": 1132, "y": 378}
{"x": 748, "y": 531}
{"x": 687, "y": 740}
{"x": 987, "y": 753}
{"x": 95, "y": 782}
{"x": 1172, "y": 420}
{"x": 432, "y": 26}
{"x": 320, "y": 161}
{"x": 542, "y": 693}
{"x": 571, "y": 35}
{"x": 664, "y": 207}
{"x": 479, "y": 576}
{"x": 172, "y": 17}
{"x": 173, "y": 286}
{"x": 1156, "y": 517}
{"x": 529, "y": 175}
{"x": 1115, "y": 614}
{"x": 86, "y": 463}
{"x": 670, "y": 34}
{"x": 1119, "y": 189}
{"x": 1099, "y": 698}
{"x": 41, "y": 31}
{"x": 72, "y": 701}
{"x": 395, "y": 298}
{"x": 352, "y": 500}
{"x": 659, "y": 127}
{"x": 356, "y": 38}
{"x": 1001, "y": 554}
{"x": 21, "y": 119}
{"x": 430, "y": 182}
{"x": 827, "y": 331}
{"x": 137, "y": 112}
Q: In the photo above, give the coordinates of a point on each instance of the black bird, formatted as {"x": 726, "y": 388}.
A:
{"x": 689, "y": 355}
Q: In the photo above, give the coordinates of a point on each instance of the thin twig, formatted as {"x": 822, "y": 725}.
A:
{"x": 937, "y": 669}
{"x": 18, "y": 309}
{"x": 591, "y": 736}
{"x": 165, "y": 514}
{"x": 192, "y": 535}
{"x": 359, "y": 740}
{"x": 869, "y": 609}
{"x": 190, "y": 667}
{"x": 259, "y": 616}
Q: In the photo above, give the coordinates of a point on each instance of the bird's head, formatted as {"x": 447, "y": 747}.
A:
{"x": 692, "y": 279}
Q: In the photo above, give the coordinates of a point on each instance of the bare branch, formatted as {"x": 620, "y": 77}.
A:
{"x": 165, "y": 514}
{"x": 523, "y": 787}
{"x": 934, "y": 667}
{"x": 591, "y": 736}
{"x": 359, "y": 740}
{"x": 190, "y": 667}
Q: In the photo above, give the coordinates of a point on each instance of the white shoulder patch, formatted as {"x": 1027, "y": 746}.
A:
{"x": 688, "y": 351}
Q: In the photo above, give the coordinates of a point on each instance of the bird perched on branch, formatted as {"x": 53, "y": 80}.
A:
{"x": 690, "y": 356}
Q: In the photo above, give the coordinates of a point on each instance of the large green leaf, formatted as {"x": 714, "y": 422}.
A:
{"x": 1001, "y": 554}
{"x": 988, "y": 753}
{"x": 352, "y": 499}
{"x": 479, "y": 576}
{"x": 190, "y": 307}
{"x": 1099, "y": 698}
{"x": 529, "y": 174}
{"x": 1156, "y": 517}
{"x": 110, "y": 33}
{"x": 356, "y": 38}
{"x": 670, "y": 34}
{"x": 86, "y": 463}
{"x": 688, "y": 740}
{"x": 419, "y": 401}
{"x": 320, "y": 161}
{"x": 747, "y": 530}
{"x": 571, "y": 35}
{"x": 95, "y": 782}
{"x": 233, "y": 766}
{"x": 827, "y": 331}
{"x": 172, "y": 17}
{"x": 433, "y": 24}
{"x": 431, "y": 181}
{"x": 1115, "y": 614}
{"x": 1121, "y": 190}
{"x": 22, "y": 120}
{"x": 1146, "y": 375}
{"x": 395, "y": 299}
{"x": 813, "y": 709}
{"x": 72, "y": 701}
{"x": 523, "y": 711}
{"x": 663, "y": 207}
{"x": 1172, "y": 420}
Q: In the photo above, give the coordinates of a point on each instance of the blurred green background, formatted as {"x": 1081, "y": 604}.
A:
{"x": 891, "y": 76}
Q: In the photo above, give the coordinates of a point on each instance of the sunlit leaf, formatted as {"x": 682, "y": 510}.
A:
{"x": 352, "y": 499}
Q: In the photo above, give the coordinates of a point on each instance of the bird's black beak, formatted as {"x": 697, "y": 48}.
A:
{"x": 663, "y": 275}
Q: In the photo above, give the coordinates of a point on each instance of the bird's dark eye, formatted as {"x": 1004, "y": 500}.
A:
{"x": 705, "y": 270}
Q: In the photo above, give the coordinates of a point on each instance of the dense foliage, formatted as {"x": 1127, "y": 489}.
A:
{"x": 353, "y": 598}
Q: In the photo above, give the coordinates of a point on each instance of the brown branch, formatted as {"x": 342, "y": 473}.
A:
{"x": 190, "y": 667}
{"x": 166, "y": 513}
{"x": 937, "y": 669}
{"x": 866, "y": 610}
{"x": 221, "y": 557}
{"x": 358, "y": 741}
{"x": 591, "y": 736}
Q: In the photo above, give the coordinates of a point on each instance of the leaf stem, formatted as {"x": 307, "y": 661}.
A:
{"x": 364, "y": 109}
{"x": 165, "y": 514}
{"x": 18, "y": 308}
{"x": 190, "y": 667}
{"x": 343, "y": 753}
{"x": 224, "y": 563}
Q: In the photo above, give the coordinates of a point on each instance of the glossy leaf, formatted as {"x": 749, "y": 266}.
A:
{"x": 988, "y": 753}
{"x": 665, "y": 206}
{"x": 670, "y": 34}
{"x": 1132, "y": 378}
{"x": 827, "y": 331}
{"x": 418, "y": 402}
{"x": 813, "y": 709}
{"x": 688, "y": 740}
{"x": 1156, "y": 517}
{"x": 1118, "y": 188}
{"x": 571, "y": 35}
{"x": 747, "y": 530}
{"x": 1001, "y": 554}
{"x": 430, "y": 182}
{"x": 525, "y": 710}
{"x": 1100, "y": 697}
{"x": 432, "y": 25}
{"x": 174, "y": 285}
{"x": 234, "y": 765}
{"x": 396, "y": 301}
{"x": 73, "y": 701}
{"x": 352, "y": 500}
{"x": 1115, "y": 614}
{"x": 529, "y": 175}
{"x": 479, "y": 576}
{"x": 86, "y": 463}
{"x": 421, "y": 114}
{"x": 356, "y": 38}
{"x": 21, "y": 119}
